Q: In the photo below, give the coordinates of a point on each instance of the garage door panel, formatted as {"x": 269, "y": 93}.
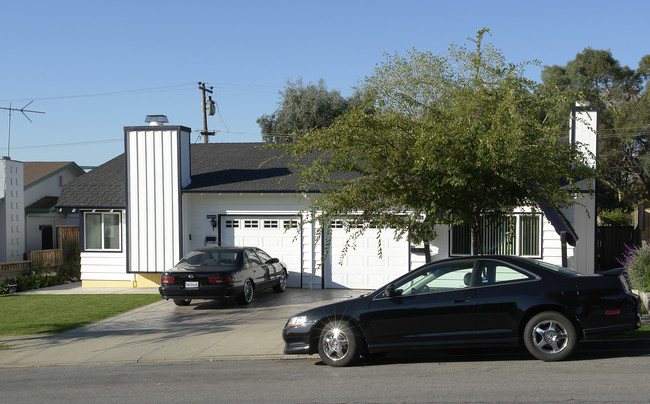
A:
{"x": 362, "y": 267}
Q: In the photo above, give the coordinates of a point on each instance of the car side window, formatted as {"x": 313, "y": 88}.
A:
{"x": 492, "y": 273}
{"x": 264, "y": 257}
{"x": 439, "y": 278}
{"x": 252, "y": 258}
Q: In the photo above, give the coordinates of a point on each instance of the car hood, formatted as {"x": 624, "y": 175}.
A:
{"x": 349, "y": 307}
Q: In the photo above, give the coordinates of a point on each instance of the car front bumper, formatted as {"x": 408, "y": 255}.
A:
{"x": 298, "y": 340}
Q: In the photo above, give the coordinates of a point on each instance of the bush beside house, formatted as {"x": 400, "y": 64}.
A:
{"x": 637, "y": 262}
{"x": 40, "y": 276}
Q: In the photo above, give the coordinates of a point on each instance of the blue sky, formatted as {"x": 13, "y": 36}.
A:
{"x": 95, "y": 67}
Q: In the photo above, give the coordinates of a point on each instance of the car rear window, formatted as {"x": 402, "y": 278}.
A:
{"x": 227, "y": 258}
{"x": 550, "y": 267}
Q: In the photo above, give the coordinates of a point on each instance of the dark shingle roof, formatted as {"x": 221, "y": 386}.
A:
{"x": 102, "y": 187}
{"x": 238, "y": 167}
{"x": 216, "y": 167}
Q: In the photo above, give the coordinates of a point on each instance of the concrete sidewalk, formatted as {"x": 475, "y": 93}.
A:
{"x": 164, "y": 332}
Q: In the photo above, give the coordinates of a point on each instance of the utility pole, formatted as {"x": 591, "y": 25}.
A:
{"x": 22, "y": 110}
{"x": 208, "y": 109}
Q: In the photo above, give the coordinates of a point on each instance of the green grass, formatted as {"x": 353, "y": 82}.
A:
{"x": 52, "y": 314}
{"x": 641, "y": 333}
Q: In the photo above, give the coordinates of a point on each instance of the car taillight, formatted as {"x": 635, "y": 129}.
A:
{"x": 166, "y": 279}
{"x": 219, "y": 279}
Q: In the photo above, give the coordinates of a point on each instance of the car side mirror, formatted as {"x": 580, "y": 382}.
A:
{"x": 389, "y": 291}
{"x": 273, "y": 261}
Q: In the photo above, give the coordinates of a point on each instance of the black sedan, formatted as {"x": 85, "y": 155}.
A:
{"x": 477, "y": 301}
{"x": 222, "y": 272}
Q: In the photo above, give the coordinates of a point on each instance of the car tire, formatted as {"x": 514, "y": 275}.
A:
{"x": 182, "y": 302}
{"x": 282, "y": 285}
{"x": 550, "y": 336}
{"x": 246, "y": 295}
{"x": 338, "y": 344}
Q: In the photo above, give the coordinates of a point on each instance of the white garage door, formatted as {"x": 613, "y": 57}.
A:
{"x": 362, "y": 268}
{"x": 267, "y": 233}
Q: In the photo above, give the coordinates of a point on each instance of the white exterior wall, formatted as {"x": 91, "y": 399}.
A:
{"x": 106, "y": 265}
{"x": 12, "y": 211}
{"x": 49, "y": 186}
{"x": 157, "y": 160}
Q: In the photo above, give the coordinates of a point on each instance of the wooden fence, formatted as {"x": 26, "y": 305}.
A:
{"x": 10, "y": 270}
{"x": 51, "y": 259}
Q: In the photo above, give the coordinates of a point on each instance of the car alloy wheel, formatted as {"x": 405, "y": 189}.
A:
{"x": 182, "y": 302}
{"x": 550, "y": 336}
{"x": 246, "y": 296}
{"x": 338, "y": 344}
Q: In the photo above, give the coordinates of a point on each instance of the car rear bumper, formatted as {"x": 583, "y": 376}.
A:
{"x": 204, "y": 292}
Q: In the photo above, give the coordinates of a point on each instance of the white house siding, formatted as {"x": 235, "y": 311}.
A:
{"x": 106, "y": 265}
{"x": 155, "y": 170}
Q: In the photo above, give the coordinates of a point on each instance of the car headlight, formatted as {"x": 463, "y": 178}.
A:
{"x": 297, "y": 321}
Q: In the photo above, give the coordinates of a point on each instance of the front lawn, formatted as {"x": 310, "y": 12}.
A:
{"x": 51, "y": 314}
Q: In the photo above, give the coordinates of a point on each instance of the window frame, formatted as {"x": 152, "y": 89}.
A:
{"x": 103, "y": 229}
{"x": 516, "y": 238}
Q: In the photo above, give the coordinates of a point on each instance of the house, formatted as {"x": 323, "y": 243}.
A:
{"x": 12, "y": 215}
{"x": 143, "y": 210}
{"x": 28, "y": 194}
{"x": 43, "y": 182}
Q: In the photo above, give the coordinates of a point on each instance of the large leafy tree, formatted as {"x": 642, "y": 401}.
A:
{"x": 303, "y": 107}
{"x": 439, "y": 139}
{"x": 622, "y": 97}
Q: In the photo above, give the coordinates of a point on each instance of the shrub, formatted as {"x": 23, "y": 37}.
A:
{"x": 615, "y": 217}
{"x": 637, "y": 262}
{"x": 71, "y": 269}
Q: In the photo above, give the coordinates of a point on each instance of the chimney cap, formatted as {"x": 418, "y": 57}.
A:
{"x": 156, "y": 120}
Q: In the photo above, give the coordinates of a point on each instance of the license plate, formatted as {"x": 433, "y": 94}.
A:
{"x": 192, "y": 285}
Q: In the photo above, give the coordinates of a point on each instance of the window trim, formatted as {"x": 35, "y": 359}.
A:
{"x": 102, "y": 215}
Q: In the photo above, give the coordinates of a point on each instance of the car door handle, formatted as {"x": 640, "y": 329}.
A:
{"x": 462, "y": 300}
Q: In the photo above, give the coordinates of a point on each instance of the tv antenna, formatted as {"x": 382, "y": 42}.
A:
{"x": 22, "y": 110}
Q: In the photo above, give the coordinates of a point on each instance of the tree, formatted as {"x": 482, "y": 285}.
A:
{"x": 439, "y": 139}
{"x": 621, "y": 95}
{"x": 303, "y": 107}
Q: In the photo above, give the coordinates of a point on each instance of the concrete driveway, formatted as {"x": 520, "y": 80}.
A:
{"x": 164, "y": 332}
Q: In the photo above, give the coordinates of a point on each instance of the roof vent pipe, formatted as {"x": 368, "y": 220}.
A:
{"x": 156, "y": 120}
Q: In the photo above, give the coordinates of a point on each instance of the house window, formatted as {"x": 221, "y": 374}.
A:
{"x": 511, "y": 235}
{"x": 102, "y": 231}
{"x": 232, "y": 224}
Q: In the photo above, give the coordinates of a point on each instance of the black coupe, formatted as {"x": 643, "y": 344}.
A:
{"x": 470, "y": 301}
{"x": 222, "y": 272}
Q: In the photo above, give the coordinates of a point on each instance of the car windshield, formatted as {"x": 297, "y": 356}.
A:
{"x": 226, "y": 259}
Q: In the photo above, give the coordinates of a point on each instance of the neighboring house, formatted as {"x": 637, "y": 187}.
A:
{"x": 43, "y": 182}
{"x": 12, "y": 214}
{"x": 144, "y": 209}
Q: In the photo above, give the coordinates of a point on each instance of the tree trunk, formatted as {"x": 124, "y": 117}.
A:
{"x": 477, "y": 236}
